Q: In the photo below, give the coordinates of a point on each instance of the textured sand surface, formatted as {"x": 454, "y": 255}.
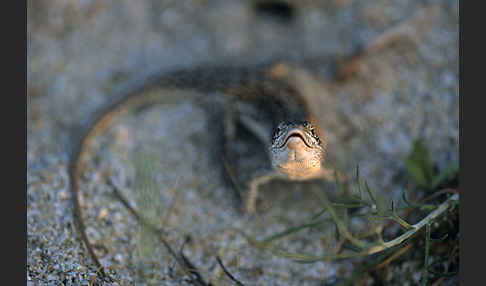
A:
{"x": 83, "y": 53}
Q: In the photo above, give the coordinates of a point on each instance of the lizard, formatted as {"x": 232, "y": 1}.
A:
{"x": 254, "y": 99}
{"x": 255, "y": 106}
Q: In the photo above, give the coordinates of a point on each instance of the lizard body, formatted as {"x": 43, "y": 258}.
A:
{"x": 254, "y": 106}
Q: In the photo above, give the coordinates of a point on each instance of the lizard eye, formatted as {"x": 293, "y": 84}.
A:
{"x": 309, "y": 126}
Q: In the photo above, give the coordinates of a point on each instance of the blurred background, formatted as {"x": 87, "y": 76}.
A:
{"x": 81, "y": 54}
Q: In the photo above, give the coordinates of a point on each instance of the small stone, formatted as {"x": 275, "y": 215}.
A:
{"x": 80, "y": 268}
{"x": 103, "y": 213}
{"x": 62, "y": 195}
{"x": 118, "y": 258}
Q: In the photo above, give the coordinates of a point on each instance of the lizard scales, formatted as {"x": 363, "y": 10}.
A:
{"x": 256, "y": 98}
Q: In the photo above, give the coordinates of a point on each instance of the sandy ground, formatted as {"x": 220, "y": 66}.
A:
{"x": 82, "y": 53}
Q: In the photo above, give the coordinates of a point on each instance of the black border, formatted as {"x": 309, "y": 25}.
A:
{"x": 471, "y": 87}
{"x": 20, "y": 225}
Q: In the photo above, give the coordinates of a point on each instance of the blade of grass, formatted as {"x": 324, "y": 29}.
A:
{"x": 427, "y": 248}
{"x": 415, "y": 205}
{"x": 292, "y": 230}
{"x": 358, "y": 182}
{"x": 372, "y": 197}
{"x": 398, "y": 219}
{"x": 302, "y": 258}
{"x": 316, "y": 216}
{"x": 340, "y": 225}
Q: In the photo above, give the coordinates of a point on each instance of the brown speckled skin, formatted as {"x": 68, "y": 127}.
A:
{"x": 229, "y": 94}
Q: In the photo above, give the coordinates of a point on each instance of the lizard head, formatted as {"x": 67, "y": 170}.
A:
{"x": 297, "y": 151}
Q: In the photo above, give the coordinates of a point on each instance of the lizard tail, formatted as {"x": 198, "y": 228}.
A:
{"x": 173, "y": 88}
{"x": 127, "y": 105}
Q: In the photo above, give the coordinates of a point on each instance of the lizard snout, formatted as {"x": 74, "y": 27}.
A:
{"x": 295, "y": 143}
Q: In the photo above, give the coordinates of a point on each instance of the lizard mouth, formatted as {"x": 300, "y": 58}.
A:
{"x": 296, "y": 133}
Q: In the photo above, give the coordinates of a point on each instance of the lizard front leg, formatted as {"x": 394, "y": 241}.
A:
{"x": 255, "y": 183}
